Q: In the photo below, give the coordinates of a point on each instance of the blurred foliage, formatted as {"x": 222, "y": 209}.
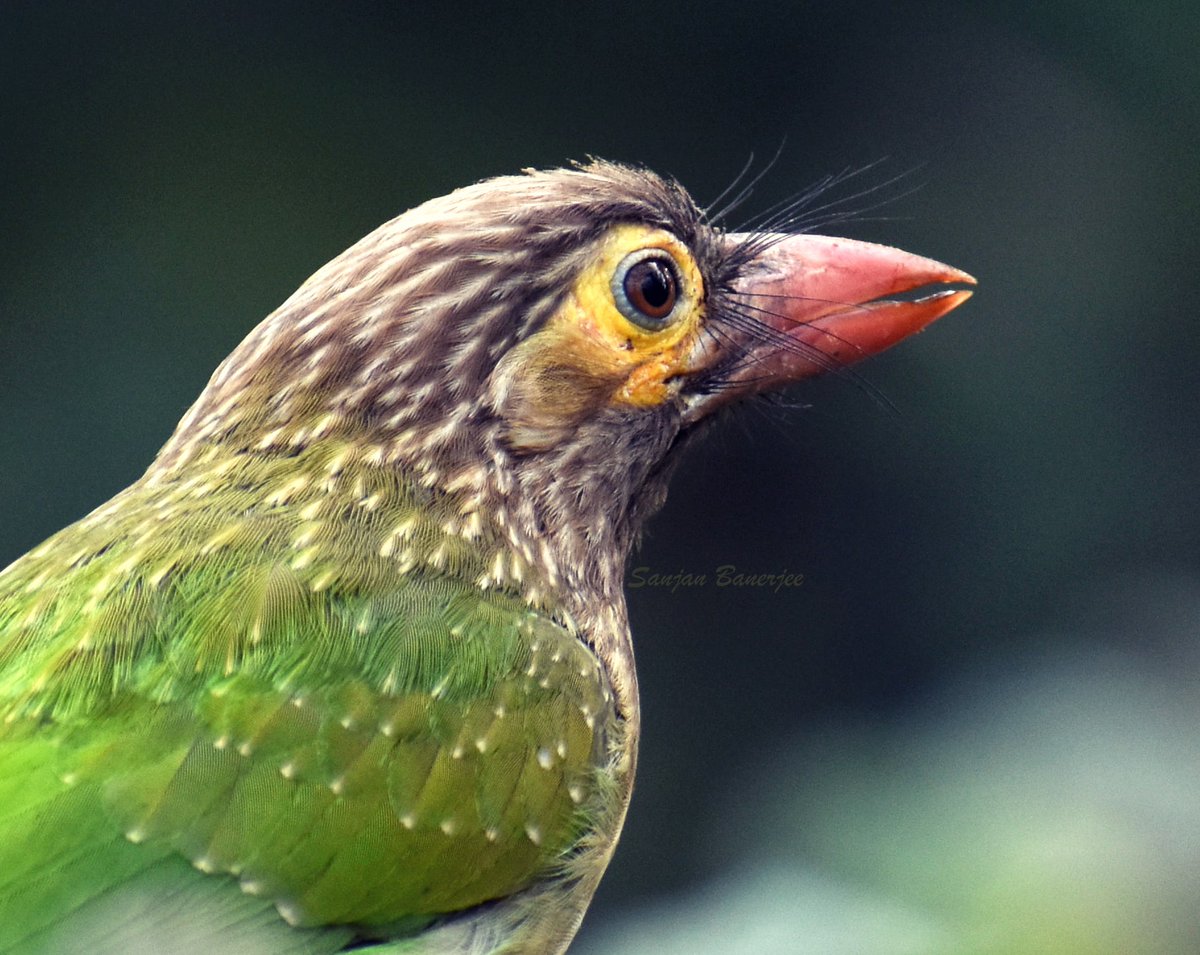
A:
{"x": 173, "y": 171}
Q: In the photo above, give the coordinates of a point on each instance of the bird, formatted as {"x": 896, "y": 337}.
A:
{"x": 349, "y": 666}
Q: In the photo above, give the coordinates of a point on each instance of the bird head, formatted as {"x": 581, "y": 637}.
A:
{"x": 543, "y": 344}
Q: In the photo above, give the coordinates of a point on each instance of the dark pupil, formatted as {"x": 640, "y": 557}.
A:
{"x": 650, "y": 286}
{"x": 656, "y": 285}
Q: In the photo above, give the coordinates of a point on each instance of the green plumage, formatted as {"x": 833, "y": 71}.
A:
{"x": 278, "y": 672}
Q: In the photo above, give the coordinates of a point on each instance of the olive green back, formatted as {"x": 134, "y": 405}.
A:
{"x": 275, "y": 693}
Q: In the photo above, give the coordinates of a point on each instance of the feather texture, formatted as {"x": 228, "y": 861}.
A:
{"x": 290, "y": 677}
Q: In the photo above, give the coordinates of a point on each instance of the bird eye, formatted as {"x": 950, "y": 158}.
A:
{"x": 646, "y": 287}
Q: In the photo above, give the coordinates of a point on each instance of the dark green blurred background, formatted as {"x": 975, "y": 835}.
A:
{"x": 996, "y": 634}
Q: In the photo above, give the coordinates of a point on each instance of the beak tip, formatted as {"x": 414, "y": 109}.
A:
{"x": 951, "y": 299}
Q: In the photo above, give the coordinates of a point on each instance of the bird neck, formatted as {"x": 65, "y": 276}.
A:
{"x": 549, "y": 529}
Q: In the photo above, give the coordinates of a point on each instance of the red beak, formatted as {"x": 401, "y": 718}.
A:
{"x": 820, "y": 303}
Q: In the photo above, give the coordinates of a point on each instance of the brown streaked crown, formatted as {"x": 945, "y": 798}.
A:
{"x": 406, "y": 326}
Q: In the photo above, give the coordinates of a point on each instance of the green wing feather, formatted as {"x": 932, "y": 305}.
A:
{"x": 281, "y": 687}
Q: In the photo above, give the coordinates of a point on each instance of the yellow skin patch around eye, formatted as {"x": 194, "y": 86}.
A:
{"x": 605, "y": 344}
{"x": 589, "y": 355}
